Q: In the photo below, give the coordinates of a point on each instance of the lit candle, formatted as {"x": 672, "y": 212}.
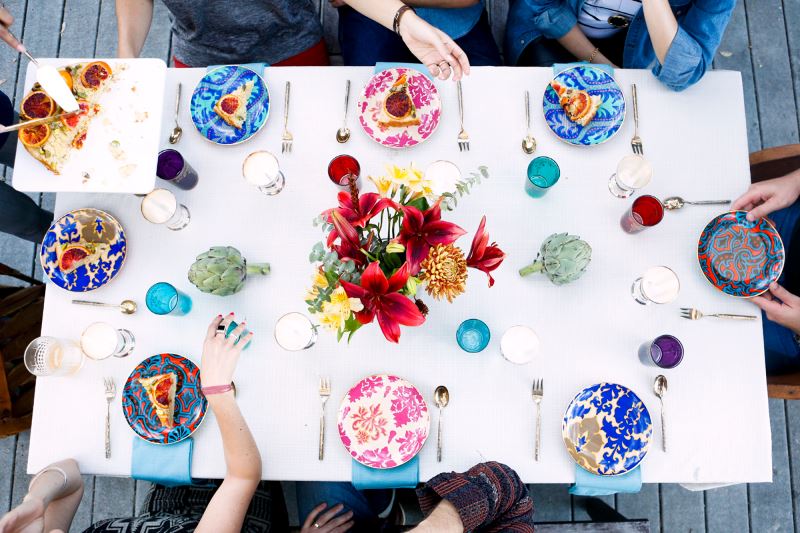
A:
{"x": 159, "y": 206}
{"x": 261, "y": 169}
{"x": 99, "y": 341}
{"x": 443, "y": 175}
{"x": 294, "y": 332}
{"x": 519, "y": 344}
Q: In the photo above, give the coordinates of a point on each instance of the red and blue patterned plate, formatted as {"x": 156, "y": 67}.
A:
{"x": 740, "y": 257}
{"x": 190, "y": 404}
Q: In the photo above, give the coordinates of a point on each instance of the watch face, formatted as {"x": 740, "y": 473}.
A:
{"x": 619, "y": 21}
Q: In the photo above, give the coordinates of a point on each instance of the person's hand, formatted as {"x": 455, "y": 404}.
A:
{"x": 27, "y": 517}
{"x": 781, "y": 307}
{"x": 6, "y": 20}
{"x": 327, "y": 522}
{"x": 764, "y": 197}
{"x": 220, "y": 355}
{"x": 434, "y": 48}
{"x": 337, "y": 3}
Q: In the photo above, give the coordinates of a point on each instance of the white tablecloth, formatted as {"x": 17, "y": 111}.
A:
{"x": 696, "y": 140}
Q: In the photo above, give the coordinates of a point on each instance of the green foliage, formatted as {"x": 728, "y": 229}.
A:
{"x": 464, "y": 187}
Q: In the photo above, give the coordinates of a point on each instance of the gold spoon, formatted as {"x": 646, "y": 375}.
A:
{"x": 343, "y": 133}
{"x": 442, "y": 397}
{"x": 660, "y": 389}
{"x": 126, "y": 307}
{"x": 528, "y": 142}
{"x": 676, "y": 202}
{"x": 175, "y": 136}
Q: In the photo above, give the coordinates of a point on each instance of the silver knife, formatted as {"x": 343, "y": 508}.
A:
{"x": 36, "y": 122}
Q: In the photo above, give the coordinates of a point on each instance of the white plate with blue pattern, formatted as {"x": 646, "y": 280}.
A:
{"x": 216, "y": 84}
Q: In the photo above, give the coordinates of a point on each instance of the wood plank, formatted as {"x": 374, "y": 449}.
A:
{"x": 726, "y": 509}
{"x": 41, "y": 34}
{"x": 20, "y": 480}
{"x": 639, "y": 526}
{"x": 579, "y": 506}
{"x": 682, "y": 510}
{"x": 142, "y": 488}
{"x": 792, "y": 17}
{"x": 551, "y": 503}
{"x": 83, "y": 516}
{"x": 113, "y": 497}
{"x": 79, "y": 28}
{"x": 8, "y": 447}
{"x": 793, "y": 428}
{"x": 773, "y": 78}
{"x": 734, "y": 54}
{"x": 646, "y": 504}
{"x": 771, "y": 503}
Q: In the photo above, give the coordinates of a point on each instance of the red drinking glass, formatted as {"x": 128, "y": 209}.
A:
{"x": 341, "y": 168}
{"x": 645, "y": 212}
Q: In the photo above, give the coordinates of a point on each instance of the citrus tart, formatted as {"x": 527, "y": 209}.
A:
{"x": 74, "y": 255}
{"x": 398, "y": 107}
{"x": 579, "y": 106}
{"x": 232, "y": 107}
{"x": 160, "y": 391}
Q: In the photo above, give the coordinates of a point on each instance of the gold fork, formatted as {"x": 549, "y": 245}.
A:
{"x": 636, "y": 142}
{"x": 287, "y": 138}
{"x": 695, "y": 314}
{"x": 111, "y": 392}
{"x": 538, "y": 393}
{"x": 463, "y": 138}
{"x": 324, "y": 394}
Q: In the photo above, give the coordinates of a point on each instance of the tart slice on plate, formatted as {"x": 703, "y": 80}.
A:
{"x": 578, "y": 104}
{"x": 160, "y": 391}
{"x": 232, "y": 107}
{"x": 398, "y": 107}
{"x": 74, "y": 255}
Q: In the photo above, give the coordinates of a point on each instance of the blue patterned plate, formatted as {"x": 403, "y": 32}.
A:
{"x": 609, "y": 117}
{"x": 190, "y": 404}
{"x": 212, "y": 87}
{"x": 739, "y": 257}
{"x": 607, "y": 429}
{"x": 81, "y": 227}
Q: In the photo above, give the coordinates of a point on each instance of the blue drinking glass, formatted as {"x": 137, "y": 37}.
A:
{"x": 232, "y": 326}
{"x": 164, "y": 299}
{"x": 543, "y": 173}
{"x": 473, "y": 335}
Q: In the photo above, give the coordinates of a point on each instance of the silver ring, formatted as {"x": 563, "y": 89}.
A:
{"x": 316, "y": 525}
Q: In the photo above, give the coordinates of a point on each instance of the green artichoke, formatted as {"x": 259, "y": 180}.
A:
{"x": 563, "y": 258}
{"x": 222, "y": 271}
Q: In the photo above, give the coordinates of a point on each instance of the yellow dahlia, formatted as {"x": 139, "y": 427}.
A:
{"x": 444, "y": 272}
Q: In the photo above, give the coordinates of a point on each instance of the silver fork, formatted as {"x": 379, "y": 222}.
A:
{"x": 324, "y": 394}
{"x": 695, "y": 314}
{"x": 286, "y": 147}
{"x": 538, "y": 394}
{"x": 111, "y": 392}
{"x": 636, "y": 142}
{"x": 463, "y": 138}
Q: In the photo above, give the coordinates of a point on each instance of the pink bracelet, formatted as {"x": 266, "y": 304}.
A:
{"x": 217, "y": 389}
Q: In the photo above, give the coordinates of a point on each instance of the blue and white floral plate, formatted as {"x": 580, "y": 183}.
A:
{"x": 212, "y": 87}
{"x": 190, "y": 404}
{"x": 607, "y": 429}
{"x": 609, "y": 118}
{"x": 84, "y": 226}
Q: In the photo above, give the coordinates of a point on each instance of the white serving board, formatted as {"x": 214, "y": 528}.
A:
{"x": 130, "y": 114}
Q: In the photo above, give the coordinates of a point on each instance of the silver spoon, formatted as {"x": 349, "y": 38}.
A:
{"x": 660, "y": 389}
{"x": 676, "y": 202}
{"x": 528, "y": 142}
{"x": 126, "y": 307}
{"x": 442, "y": 397}
{"x": 343, "y": 133}
{"x": 175, "y": 136}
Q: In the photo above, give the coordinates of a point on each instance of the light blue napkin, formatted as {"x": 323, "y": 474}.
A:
{"x": 588, "y": 484}
{"x": 258, "y": 68}
{"x": 165, "y": 464}
{"x": 416, "y": 66}
{"x": 561, "y": 67}
{"x": 402, "y": 477}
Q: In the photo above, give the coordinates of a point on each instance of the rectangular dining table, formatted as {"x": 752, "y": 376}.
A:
{"x": 590, "y": 330}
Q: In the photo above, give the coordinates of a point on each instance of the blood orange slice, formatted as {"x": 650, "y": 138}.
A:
{"x": 72, "y": 120}
{"x": 34, "y": 136}
{"x": 94, "y": 74}
{"x": 162, "y": 391}
{"x": 37, "y": 104}
{"x": 77, "y": 142}
{"x": 67, "y": 78}
{"x": 229, "y": 104}
{"x": 71, "y": 256}
{"x": 398, "y": 104}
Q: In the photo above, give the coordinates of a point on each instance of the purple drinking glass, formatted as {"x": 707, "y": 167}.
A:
{"x": 172, "y": 167}
{"x": 665, "y": 351}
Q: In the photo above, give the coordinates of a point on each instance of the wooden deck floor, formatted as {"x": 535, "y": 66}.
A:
{"x": 762, "y": 41}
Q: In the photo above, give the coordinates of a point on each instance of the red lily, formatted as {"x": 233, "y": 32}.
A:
{"x": 381, "y": 299}
{"x": 369, "y": 205}
{"x": 483, "y": 257}
{"x": 350, "y": 247}
{"x": 421, "y": 231}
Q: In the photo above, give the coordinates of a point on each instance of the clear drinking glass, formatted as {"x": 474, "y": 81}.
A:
{"x": 295, "y": 332}
{"x": 160, "y": 206}
{"x": 633, "y": 173}
{"x": 543, "y": 173}
{"x": 49, "y": 356}
{"x": 646, "y": 211}
{"x": 164, "y": 299}
{"x": 262, "y": 169}
{"x": 473, "y": 335}
{"x": 519, "y": 344}
{"x": 665, "y": 351}
{"x": 101, "y": 341}
{"x": 658, "y": 285}
{"x": 341, "y": 168}
{"x": 172, "y": 167}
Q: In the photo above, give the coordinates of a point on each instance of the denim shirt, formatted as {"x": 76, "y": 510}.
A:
{"x": 455, "y": 22}
{"x": 701, "y": 24}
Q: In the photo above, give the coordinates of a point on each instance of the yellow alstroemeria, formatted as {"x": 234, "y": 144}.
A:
{"x": 336, "y": 312}
{"x": 319, "y": 281}
{"x": 397, "y": 175}
{"x": 386, "y": 188}
{"x": 417, "y": 184}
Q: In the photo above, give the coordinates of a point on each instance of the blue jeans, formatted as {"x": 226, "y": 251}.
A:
{"x": 364, "y": 42}
{"x": 366, "y": 505}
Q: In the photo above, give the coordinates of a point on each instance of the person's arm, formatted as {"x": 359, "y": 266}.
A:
{"x": 577, "y": 44}
{"x": 445, "y": 4}
{"x": 133, "y": 24}
{"x": 661, "y": 25}
{"x": 764, "y": 197}
{"x": 781, "y": 307}
{"x": 227, "y": 509}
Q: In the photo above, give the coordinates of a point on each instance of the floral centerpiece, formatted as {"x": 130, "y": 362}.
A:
{"x": 382, "y": 248}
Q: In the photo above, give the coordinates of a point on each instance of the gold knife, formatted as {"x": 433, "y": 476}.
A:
{"x": 35, "y": 122}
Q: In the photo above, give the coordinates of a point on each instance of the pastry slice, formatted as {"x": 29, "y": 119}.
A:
{"x": 232, "y": 107}
{"x": 74, "y": 255}
{"x": 160, "y": 391}
{"x": 579, "y": 105}
{"x": 398, "y": 107}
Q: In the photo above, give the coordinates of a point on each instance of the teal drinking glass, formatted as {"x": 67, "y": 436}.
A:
{"x": 543, "y": 173}
{"x": 164, "y": 299}
{"x": 473, "y": 335}
{"x": 232, "y": 326}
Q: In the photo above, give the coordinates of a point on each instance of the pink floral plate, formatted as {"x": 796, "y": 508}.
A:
{"x": 383, "y": 421}
{"x": 424, "y": 95}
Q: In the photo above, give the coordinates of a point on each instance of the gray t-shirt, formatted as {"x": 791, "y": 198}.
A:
{"x": 214, "y": 32}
